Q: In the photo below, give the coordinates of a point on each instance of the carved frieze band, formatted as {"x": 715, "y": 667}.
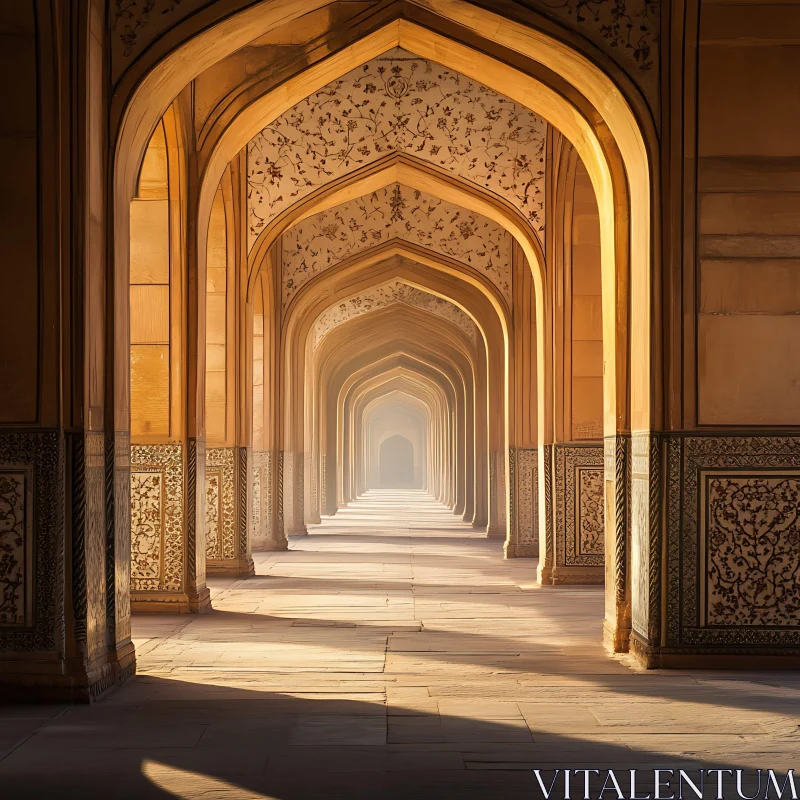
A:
{"x": 220, "y": 503}
{"x": 157, "y": 524}
{"x": 31, "y": 540}
{"x": 578, "y": 503}
{"x": 733, "y": 540}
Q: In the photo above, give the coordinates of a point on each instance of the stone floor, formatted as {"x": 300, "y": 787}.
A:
{"x": 391, "y": 653}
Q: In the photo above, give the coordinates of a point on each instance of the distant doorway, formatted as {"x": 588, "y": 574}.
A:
{"x": 397, "y": 463}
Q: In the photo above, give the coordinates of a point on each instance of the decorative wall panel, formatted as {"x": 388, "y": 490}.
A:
{"x": 395, "y": 212}
{"x": 31, "y": 540}
{"x": 525, "y": 499}
{"x": 401, "y": 103}
{"x": 752, "y": 537}
{"x": 733, "y": 541}
{"x": 390, "y": 294}
{"x": 579, "y": 507}
{"x": 220, "y": 503}
{"x": 157, "y": 517}
{"x": 15, "y": 545}
{"x": 257, "y": 517}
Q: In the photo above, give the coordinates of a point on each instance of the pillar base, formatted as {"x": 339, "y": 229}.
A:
{"x": 231, "y": 567}
{"x": 652, "y": 657}
{"x": 544, "y": 575}
{"x": 28, "y": 680}
{"x": 616, "y": 639}
{"x": 496, "y": 532}
{"x": 479, "y": 525}
{"x": 592, "y": 576}
{"x": 171, "y": 602}
{"x": 271, "y": 546}
{"x": 299, "y": 532}
{"x": 521, "y": 550}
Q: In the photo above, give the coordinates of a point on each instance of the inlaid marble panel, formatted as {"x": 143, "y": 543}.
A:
{"x": 753, "y": 549}
{"x": 733, "y": 541}
{"x": 391, "y": 294}
{"x": 220, "y": 503}
{"x": 590, "y": 524}
{"x": 579, "y": 505}
{"x": 156, "y": 517}
{"x": 395, "y": 212}
{"x": 399, "y": 103}
{"x": 14, "y": 536}
{"x": 31, "y": 462}
{"x": 526, "y": 507}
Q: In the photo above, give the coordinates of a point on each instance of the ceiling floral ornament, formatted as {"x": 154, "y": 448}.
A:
{"x": 399, "y": 103}
{"x": 395, "y": 212}
{"x": 627, "y": 29}
{"x": 387, "y": 295}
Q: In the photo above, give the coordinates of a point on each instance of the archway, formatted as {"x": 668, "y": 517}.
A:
{"x": 397, "y": 463}
{"x": 605, "y": 168}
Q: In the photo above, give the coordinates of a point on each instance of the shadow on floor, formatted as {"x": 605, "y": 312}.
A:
{"x": 160, "y": 738}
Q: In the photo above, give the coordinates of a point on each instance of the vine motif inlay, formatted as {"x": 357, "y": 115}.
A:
{"x": 40, "y": 457}
{"x": 591, "y": 525}
{"x": 704, "y": 476}
{"x": 526, "y": 480}
{"x": 13, "y": 536}
{"x": 220, "y": 517}
{"x": 395, "y": 212}
{"x": 156, "y": 517}
{"x": 753, "y": 545}
{"x": 579, "y": 505}
{"x": 627, "y": 28}
{"x": 399, "y": 103}
{"x": 391, "y": 294}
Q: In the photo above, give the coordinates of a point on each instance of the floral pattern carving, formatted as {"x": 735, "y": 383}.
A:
{"x": 220, "y": 503}
{"x": 156, "y": 517}
{"x": 526, "y": 468}
{"x": 398, "y": 103}
{"x": 256, "y": 520}
{"x": 591, "y": 523}
{"x": 13, "y": 537}
{"x": 695, "y": 539}
{"x": 628, "y": 29}
{"x": 130, "y": 19}
{"x": 391, "y": 294}
{"x": 753, "y": 542}
{"x": 40, "y": 455}
{"x": 579, "y": 505}
{"x": 395, "y": 212}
